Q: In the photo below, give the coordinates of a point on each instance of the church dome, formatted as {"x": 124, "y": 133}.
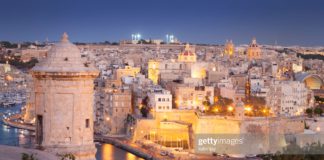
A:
{"x": 63, "y": 57}
{"x": 187, "y": 53}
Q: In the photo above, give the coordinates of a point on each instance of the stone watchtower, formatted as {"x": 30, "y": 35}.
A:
{"x": 64, "y": 102}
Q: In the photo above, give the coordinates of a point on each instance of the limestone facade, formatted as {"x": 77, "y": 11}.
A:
{"x": 64, "y": 102}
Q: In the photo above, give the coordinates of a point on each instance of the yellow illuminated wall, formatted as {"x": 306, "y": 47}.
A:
{"x": 198, "y": 73}
{"x": 127, "y": 71}
{"x": 153, "y": 71}
{"x": 313, "y": 83}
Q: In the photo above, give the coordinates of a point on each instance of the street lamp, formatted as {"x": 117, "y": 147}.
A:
{"x": 230, "y": 108}
{"x": 248, "y": 108}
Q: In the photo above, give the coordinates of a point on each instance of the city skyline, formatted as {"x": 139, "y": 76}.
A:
{"x": 287, "y": 23}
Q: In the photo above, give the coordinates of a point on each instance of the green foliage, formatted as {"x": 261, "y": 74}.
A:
{"x": 309, "y": 112}
{"x": 7, "y": 44}
{"x": 319, "y": 99}
{"x": 145, "y": 111}
{"x": 223, "y": 102}
{"x": 206, "y": 102}
{"x": 16, "y": 61}
{"x": 318, "y": 111}
{"x": 26, "y": 156}
{"x": 255, "y": 101}
{"x": 312, "y": 151}
{"x": 68, "y": 156}
{"x": 311, "y": 56}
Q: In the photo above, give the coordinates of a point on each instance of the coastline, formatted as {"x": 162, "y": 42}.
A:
{"x": 102, "y": 139}
{"x": 124, "y": 146}
{"x": 9, "y": 122}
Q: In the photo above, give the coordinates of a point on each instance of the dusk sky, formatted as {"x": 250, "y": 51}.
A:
{"x": 289, "y": 22}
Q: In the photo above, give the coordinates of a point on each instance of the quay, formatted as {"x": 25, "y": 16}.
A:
{"x": 127, "y": 147}
{"x": 10, "y": 121}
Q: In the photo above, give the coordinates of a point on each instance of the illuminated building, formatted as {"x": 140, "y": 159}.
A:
{"x": 254, "y": 51}
{"x": 198, "y": 70}
{"x": 312, "y": 81}
{"x": 160, "y": 100}
{"x": 247, "y": 89}
{"x": 153, "y": 70}
{"x": 126, "y": 71}
{"x": 229, "y": 48}
{"x": 184, "y": 66}
{"x": 188, "y": 55}
{"x": 64, "y": 102}
{"x": 298, "y": 67}
{"x": 193, "y": 97}
{"x": 7, "y": 67}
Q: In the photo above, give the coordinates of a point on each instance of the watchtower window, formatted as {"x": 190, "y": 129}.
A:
{"x": 87, "y": 123}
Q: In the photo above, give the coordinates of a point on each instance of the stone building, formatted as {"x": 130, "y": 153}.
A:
{"x": 185, "y": 65}
{"x": 254, "y": 51}
{"x": 117, "y": 106}
{"x": 193, "y": 97}
{"x": 288, "y": 98}
{"x": 229, "y": 48}
{"x": 153, "y": 70}
{"x": 160, "y": 100}
{"x": 64, "y": 102}
{"x": 126, "y": 71}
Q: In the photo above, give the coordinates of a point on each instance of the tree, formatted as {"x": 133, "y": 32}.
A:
{"x": 145, "y": 111}
{"x": 318, "y": 111}
{"x": 206, "y": 102}
{"x": 68, "y": 156}
{"x": 26, "y": 156}
{"x": 312, "y": 151}
{"x": 309, "y": 112}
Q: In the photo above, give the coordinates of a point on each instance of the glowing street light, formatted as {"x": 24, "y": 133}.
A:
{"x": 230, "y": 108}
{"x": 216, "y": 109}
{"x": 133, "y": 37}
{"x": 138, "y": 36}
{"x": 248, "y": 108}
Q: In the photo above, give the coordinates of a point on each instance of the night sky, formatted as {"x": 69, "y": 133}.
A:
{"x": 289, "y": 22}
